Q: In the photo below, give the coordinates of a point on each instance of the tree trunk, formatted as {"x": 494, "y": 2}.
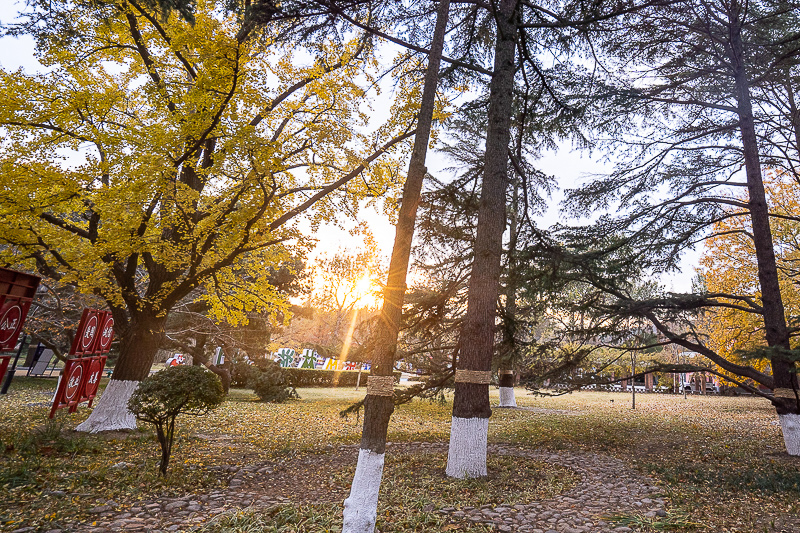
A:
{"x": 471, "y": 411}
{"x": 633, "y": 384}
{"x": 224, "y": 376}
{"x": 139, "y": 344}
{"x": 505, "y": 367}
{"x": 361, "y": 507}
{"x": 786, "y": 399}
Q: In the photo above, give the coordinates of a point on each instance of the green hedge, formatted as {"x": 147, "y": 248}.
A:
{"x": 307, "y": 377}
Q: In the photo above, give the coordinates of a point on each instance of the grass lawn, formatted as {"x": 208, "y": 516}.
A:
{"x": 720, "y": 461}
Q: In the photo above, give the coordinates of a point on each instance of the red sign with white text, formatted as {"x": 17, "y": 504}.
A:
{"x": 86, "y": 334}
{"x": 94, "y": 371}
{"x": 68, "y": 386}
{"x": 79, "y": 382}
{"x": 105, "y": 333}
{"x": 16, "y": 294}
{"x": 81, "y": 376}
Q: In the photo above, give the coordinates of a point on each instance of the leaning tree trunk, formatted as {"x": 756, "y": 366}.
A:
{"x": 471, "y": 411}
{"x": 361, "y": 507}
{"x": 786, "y": 399}
{"x": 139, "y": 343}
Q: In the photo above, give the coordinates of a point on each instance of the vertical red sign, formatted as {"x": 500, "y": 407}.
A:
{"x": 94, "y": 371}
{"x": 105, "y": 333}
{"x": 86, "y": 334}
{"x": 81, "y": 375}
{"x": 16, "y": 294}
{"x": 69, "y": 387}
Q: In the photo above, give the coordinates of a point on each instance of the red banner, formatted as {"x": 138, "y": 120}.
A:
{"x": 105, "y": 334}
{"x": 87, "y": 332}
{"x": 16, "y": 294}
{"x": 79, "y": 382}
{"x": 80, "y": 378}
{"x": 69, "y": 386}
{"x": 94, "y": 371}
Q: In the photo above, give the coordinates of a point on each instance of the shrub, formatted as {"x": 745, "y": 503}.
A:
{"x": 271, "y": 384}
{"x": 243, "y": 374}
{"x": 307, "y": 377}
{"x": 161, "y": 397}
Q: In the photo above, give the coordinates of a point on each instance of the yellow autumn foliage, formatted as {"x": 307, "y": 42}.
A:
{"x": 155, "y": 159}
{"x": 729, "y": 267}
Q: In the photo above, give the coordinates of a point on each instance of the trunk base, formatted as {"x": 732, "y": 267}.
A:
{"x": 466, "y": 457}
{"x": 507, "y": 398}
{"x": 790, "y": 426}
{"x": 111, "y": 411}
{"x": 361, "y": 507}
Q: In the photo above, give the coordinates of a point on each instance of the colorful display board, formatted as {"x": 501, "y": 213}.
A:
{"x": 287, "y": 358}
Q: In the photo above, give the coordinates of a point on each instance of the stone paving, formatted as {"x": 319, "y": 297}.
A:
{"x": 607, "y": 487}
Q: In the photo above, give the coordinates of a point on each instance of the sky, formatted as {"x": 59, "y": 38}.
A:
{"x": 570, "y": 166}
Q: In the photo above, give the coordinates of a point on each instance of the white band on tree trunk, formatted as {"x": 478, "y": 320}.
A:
{"x": 466, "y": 456}
{"x": 790, "y": 427}
{"x": 111, "y": 411}
{"x": 507, "y": 398}
{"x": 361, "y": 507}
{"x": 506, "y": 372}
{"x": 480, "y": 377}
{"x": 380, "y": 385}
{"x": 785, "y": 393}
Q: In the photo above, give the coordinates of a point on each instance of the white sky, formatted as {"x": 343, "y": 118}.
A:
{"x": 569, "y": 166}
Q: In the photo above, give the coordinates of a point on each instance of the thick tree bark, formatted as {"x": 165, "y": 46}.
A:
{"x": 140, "y": 341}
{"x": 776, "y": 331}
{"x": 471, "y": 411}
{"x": 360, "y": 508}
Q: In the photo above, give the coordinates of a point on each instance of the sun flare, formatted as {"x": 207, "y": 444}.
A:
{"x": 364, "y": 292}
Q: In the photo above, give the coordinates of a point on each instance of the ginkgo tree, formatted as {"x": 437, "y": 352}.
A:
{"x": 728, "y": 269}
{"x": 154, "y": 156}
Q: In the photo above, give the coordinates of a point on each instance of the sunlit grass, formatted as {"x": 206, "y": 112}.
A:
{"x": 719, "y": 459}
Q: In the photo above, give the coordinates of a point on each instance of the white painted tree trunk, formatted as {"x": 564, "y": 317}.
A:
{"x": 361, "y": 508}
{"x": 466, "y": 457}
{"x": 507, "y": 398}
{"x": 790, "y": 425}
{"x": 111, "y": 410}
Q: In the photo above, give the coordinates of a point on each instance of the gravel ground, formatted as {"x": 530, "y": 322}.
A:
{"x": 607, "y": 487}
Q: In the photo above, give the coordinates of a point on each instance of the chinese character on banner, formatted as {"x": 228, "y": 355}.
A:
{"x": 105, "y": 332}
{"x": 87, "y": 332}
{"x": 285, "y": 357}
{"x": 79, "y": 382}
{"x": 309, "y": 358}
{"x": 351, "y": 365}
{"x": 69, "y": 386}
{"x": 80, "y": 378}
{"x": 16, "y": 294}
{"x": 94, "y": 371}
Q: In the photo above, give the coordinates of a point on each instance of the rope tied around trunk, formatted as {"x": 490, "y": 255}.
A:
{"x": 380, "y": 385}
{"x": 481, "y": 377}
{"x": 784, "y": 393}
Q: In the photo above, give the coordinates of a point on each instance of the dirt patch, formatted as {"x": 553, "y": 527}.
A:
{"x": 309, "y": 478}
